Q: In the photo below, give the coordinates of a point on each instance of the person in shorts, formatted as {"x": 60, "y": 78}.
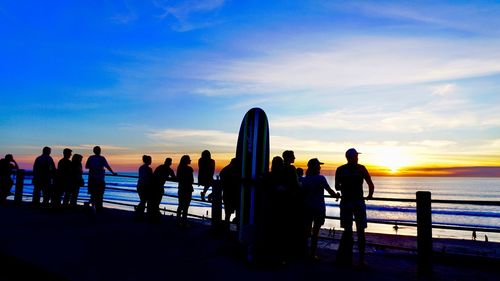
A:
{"x": 349, "y": 180}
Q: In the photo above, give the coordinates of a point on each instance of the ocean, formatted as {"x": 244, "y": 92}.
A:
{"x": 446, "y": 188}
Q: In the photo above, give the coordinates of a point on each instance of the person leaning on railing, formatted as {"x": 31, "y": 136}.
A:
{"x": 7, "y": 166}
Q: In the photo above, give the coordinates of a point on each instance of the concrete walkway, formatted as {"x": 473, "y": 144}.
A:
{"x": 48, "y": 245}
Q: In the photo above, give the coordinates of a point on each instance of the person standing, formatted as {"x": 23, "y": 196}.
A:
{"x": 206, "y": 170}
{"x": 314, "y": 185}
{"x": 71, "y": 195}
{"x": 44, "y": 171}
{"x": 185, "y": 189}
{"x": 63, "y": 178}
{"x": 144, "y": 185}
{"x": 96, "y": 185}
{"x": 349, "y": 180}
{"x": 161, "y": 174}
{"x": 230, "y": 179}
{"x": 7, "y": 166}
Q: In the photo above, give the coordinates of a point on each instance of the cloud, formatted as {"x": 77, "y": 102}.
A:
{"x": 355, "y": 62}
{"x": 466, "y": 16}
{"x": 190, "y": 14}
{"x": 187, "y": 137}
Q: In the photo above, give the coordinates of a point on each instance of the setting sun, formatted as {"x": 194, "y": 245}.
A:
{"x": 392, "y": 158}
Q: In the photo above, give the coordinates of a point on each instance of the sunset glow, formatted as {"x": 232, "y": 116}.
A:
{"x": 414, "y": 87}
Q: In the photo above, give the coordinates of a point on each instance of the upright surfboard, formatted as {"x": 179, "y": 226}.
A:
{"x": 252, "y": 153}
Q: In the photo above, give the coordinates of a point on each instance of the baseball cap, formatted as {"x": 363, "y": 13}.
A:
{"x": 351, "y": 152}
{"x": 314, "y": 161}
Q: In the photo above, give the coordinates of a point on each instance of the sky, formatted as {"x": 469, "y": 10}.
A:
{"x": 413, "y": 85}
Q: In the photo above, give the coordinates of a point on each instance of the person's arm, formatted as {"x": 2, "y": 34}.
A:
{"x": 371, "y": 186}
{"x": 330, "y": 191}
{"x": 338, "y": 186}
{"x": 16, "y": 167}
{"x": 108, "y": 167}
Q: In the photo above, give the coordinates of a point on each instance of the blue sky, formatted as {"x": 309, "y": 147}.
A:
{"x": 407, "y": 83}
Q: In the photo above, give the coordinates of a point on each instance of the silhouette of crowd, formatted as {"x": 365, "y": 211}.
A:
{"x": 292, "y": 206}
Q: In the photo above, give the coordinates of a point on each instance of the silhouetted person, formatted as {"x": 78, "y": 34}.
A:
{"x": 294, "y": 207}
{"x": 349, "y": 180}
{"x": 185, "y": 189}
{"x": 44, "y": 171}
{"x": 71, "y": 195}
{"x": 300, "y": 174}
{"x": 96, "y": 185}
{"x": 63, "y": 180}
{"x": 230, "y": 179}
{"x": 7, "y": 166}
{"x": 314, "y": 185}
{"x": 474, "y": 235}
{"x": 144, "y": 185}
{"x": 276, "y": 225}
{"x": 206, "y": 170}
{"x": 161, "y": 174}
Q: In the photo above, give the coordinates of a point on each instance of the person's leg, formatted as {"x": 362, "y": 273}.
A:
{"x": 361, "y": 224}
{"x": 344, "y": 253}
{"x": 36, "y": 194}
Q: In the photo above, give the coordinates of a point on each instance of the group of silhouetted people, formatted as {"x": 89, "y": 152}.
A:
{"x": 58, "y": 186}
{"x": 294, "y": 208}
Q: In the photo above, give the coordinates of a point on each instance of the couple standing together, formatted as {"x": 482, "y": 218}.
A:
{"x": 349, "y": 180}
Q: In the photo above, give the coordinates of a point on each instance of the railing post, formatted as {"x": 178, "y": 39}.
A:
{"x": 18, "y": 193}
{"x": 424, "y": 232}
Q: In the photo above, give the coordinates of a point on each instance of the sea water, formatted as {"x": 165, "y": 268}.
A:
{"x": 446, "y": 188}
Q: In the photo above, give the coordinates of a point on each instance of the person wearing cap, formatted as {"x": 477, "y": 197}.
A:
{"x": 314, "y": 185}
{"x": 349, "y": 180}
{"x": 63, "y": 177}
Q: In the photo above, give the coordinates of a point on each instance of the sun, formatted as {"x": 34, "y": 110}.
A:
{"x": 392, "y": 158}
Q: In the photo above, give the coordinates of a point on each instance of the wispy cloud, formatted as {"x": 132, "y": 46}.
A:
{"x": 355, "y": 62}
{"x": 187, "y": 137}
{"x": 185, "y": 11}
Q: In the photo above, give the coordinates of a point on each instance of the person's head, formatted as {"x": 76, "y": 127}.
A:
{"x": 168, "y": 161}
{"x": 77, "y": 158}
{"x": 206, "y": 154}
{"x": 352, "y": 156}
{"x": 146, "y": 159}
{"x": 313, "y": 167}
{"x": 185, "y": 160}
{"x": 276, "y": 164}
{"x": 300, "y": 172}
{"x": 46, "y": 150}
{"x": 67, "y": 153}
{"x": 9, "y": 157}
{"x": 288, "y": 156}
{"x": 97, "y": 150}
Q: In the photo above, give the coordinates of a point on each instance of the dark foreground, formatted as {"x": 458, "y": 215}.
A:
{"x": 76, "y": 245}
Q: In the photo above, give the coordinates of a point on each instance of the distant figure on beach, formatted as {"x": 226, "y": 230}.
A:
{"x": 230, "y": 179}
{"x": 485, "y": 238}
{"x": 185, "y": 190}
{"x": 474, "y": 235}
{"x": 144, "y": 185}
{"x": 96, "y": 185}
{"x": 206, "y": 170}
{"x": 71, "y": 194}
{"x": 349, "y": 181}
{"x": 7, "y": 166}
{"x": 44, "y": 171}
{"x": 161, "y": 174}
{"x": 63, "y": 180}
{"x": 314, "y": 185}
